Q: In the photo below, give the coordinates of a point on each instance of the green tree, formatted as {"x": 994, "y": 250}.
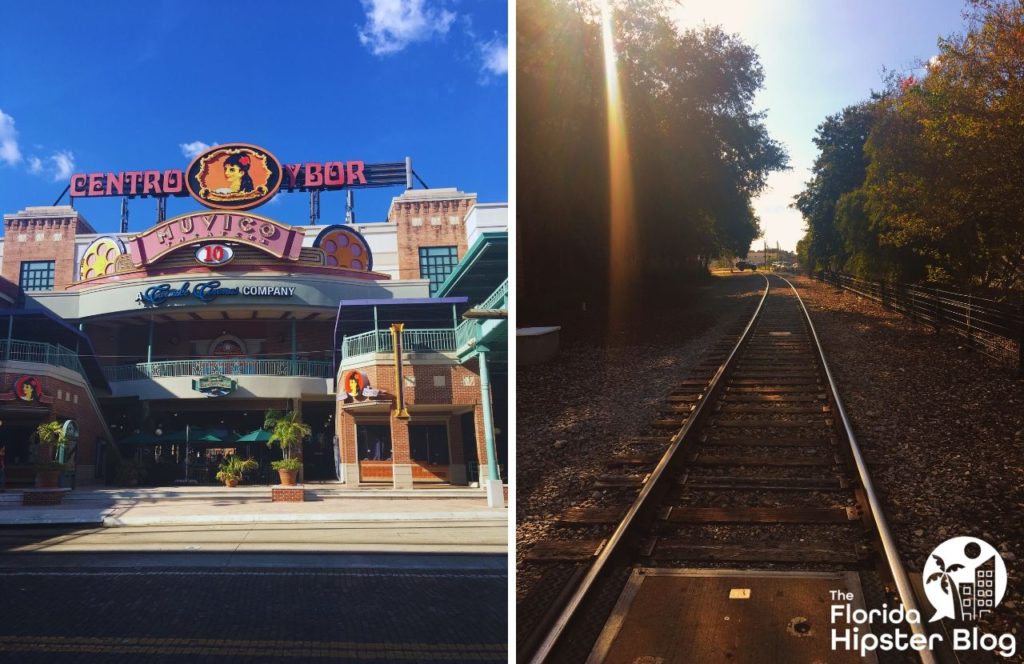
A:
{"x": 699, "y": 151}
{"x": 287, "y": 431}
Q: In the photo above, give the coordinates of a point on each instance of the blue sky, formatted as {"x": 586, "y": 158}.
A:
{"x": 820, "y": 56}
{"x": 116, "y": 86}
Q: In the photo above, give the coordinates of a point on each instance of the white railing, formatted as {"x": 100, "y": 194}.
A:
{"x": 413, "y": 341}
{"x": 42, "y": 353}
{"x": 233, "y": 366}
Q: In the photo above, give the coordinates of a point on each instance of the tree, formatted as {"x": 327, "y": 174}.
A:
{"x": 947, "y": 155}
{"x": 698, "y": 150}
{"x": 287, "y": 431}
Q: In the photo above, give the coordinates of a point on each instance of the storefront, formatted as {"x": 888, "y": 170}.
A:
{"x": 193, "y": 330}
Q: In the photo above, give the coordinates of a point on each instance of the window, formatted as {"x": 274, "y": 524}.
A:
{"x": 36, "y": 276}
{"x": 428, "y": 444}
{"x": 436, "y": 263}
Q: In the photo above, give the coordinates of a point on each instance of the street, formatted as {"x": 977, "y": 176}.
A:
{"x": 207, "y": 607}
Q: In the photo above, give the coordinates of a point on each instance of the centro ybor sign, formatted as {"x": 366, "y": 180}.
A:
{"x": 208, "y": 291}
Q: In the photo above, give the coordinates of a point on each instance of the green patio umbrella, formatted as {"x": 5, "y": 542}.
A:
{"x": 257, "y": 436}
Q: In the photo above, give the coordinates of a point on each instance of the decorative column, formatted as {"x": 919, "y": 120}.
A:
{"x": 495, "y": 489}
{"x": 401, "y": 460}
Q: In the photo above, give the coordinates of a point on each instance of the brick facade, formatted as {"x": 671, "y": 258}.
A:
{"x": 428, "y": 222}
{"x": 43, "y": 234}
{"x": 435, "y": 393}
{"x": 62, "y": 400}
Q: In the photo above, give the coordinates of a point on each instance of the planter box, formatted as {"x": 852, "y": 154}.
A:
{"x": 291, "y": 493}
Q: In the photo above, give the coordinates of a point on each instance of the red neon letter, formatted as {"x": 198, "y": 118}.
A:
{"x": 292, "y": 170}
{"x": 133, "y": 178}
{"x": 78, "y": 181}
{"x": 96, "y": 184}
{"x": 150, "y": 185}
{"x": 115, "y": 181}
{"x": 314, "y": 175}
{"x": 173, "y": 182}
{"x": 334, "y": 174}
{"x": 355, "y": 173}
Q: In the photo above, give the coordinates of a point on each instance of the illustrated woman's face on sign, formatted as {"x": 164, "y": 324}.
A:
{"x": 234, "y": 175}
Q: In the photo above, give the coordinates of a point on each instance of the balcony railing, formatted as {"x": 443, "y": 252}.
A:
{"x": 413, "y": 341}
{"x": 496, "y": 300}
{"x": 233, "y": 366}
{"x": 42, "y": 353}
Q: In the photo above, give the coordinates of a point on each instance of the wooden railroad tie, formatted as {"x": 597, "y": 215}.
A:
{"x": 555, "y": 551}
{"x": 585, "y": 516}
{"x": 781, "y": 552}
{"x": 759, "y": 514}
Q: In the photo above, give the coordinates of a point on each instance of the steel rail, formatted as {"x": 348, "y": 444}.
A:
{"x": 598, "y": 567}
{"x": 892, "y": 555}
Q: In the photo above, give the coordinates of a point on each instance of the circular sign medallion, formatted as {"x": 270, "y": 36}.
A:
{"x": 234, "y": 176}
{"x": 27, "y": 388}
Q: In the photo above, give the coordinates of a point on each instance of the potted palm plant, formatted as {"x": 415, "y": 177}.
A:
{"x": 48, "y": 437}
{"x": 287, "y": 431}
{"x": 233, "y": 468}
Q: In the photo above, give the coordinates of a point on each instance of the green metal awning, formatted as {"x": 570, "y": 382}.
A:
{"x": 482, "y": 269}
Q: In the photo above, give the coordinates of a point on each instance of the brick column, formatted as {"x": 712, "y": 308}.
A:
{"x": 481, "y": 443}
{"x": 345, "y": 429}
{"x": 401, "y": 461}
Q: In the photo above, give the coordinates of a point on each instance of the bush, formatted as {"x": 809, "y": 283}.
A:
{"x": 287, "y": 464}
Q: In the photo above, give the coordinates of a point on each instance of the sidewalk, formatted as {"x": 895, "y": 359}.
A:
{"x": 213, "y": 505}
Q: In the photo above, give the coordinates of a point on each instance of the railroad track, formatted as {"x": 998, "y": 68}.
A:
{"x": 751, "y": 468}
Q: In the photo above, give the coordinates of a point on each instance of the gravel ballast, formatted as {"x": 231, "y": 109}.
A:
{"x": 573, "y": 413}
{"x": 941, "y": 427}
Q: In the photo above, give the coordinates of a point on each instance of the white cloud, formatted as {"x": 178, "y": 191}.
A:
{"x": 63, "y": 165}
{"x": 495, "y": 56}
{"x": 191, "y": 150}
{"x": 35, "y": 165}
{"x": 9, "y": 151}
{"x": 394, "y": 24}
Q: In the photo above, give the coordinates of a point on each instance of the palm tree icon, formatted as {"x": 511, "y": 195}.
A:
{"x": 944, "y": 575}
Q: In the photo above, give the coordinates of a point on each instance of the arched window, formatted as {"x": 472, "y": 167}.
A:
{"x": 227, "y": 345}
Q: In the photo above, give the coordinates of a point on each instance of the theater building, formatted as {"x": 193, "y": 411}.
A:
{"x": 204, "y": 322}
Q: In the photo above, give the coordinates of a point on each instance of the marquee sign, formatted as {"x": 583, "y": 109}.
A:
{"x": 207, "y": 291}
{"x": 215, "y": 385}
{"x": 239, "y": 176}
{"x": 233, "y": 177}
{"x": 27, "y": 388}
{"x": 270, "y": 236}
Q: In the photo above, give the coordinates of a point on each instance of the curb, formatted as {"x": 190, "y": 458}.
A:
{"x": 107, "y": 520}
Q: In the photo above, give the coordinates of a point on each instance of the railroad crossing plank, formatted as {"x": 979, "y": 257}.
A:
{"x": 758, "y": 515}
{"x": 555, "y": 551}
{"x": 591, "y": 515}
{"x": 782, "y": 553}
